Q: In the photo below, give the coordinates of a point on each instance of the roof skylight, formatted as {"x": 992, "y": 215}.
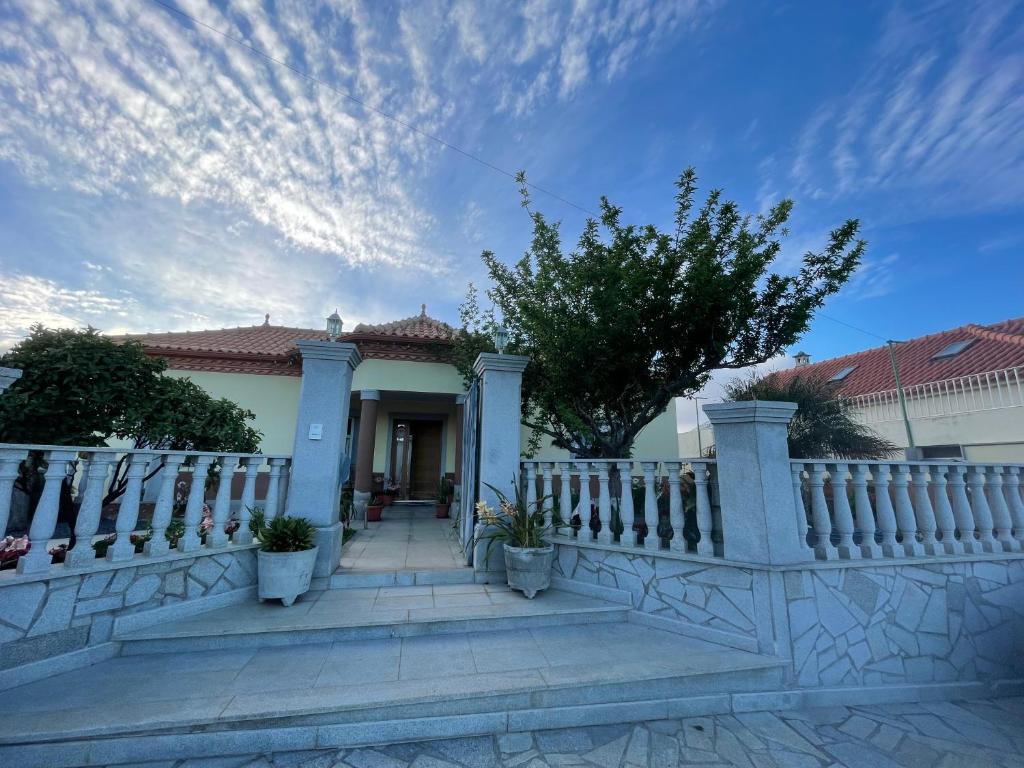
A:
{"x": 952, "y": 350}
{"x": 843, "y": 373}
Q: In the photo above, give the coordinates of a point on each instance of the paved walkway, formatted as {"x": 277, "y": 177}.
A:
{"x": 971, "y": 734}
{"x": 409, "y": 537}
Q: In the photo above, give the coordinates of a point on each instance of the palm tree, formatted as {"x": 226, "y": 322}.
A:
{"x": 823, "y": 426}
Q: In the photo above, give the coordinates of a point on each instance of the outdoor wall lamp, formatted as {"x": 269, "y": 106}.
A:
{"x": 334, "y": 326}
{"x": 500, "y": 339}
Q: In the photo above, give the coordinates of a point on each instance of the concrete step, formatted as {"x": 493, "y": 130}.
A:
{"x": 177, "y": 706}
{"x": 370, "y": 613}
{"x": 356, "y": 579}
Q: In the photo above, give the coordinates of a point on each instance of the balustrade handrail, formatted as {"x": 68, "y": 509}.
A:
{"x": 153, "y": 451}
{"x": 913, "y": 462}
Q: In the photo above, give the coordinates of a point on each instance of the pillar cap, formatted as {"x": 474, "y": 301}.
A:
{"x": 344, "y": 351}
{"x": 492, "y": 361}
{"x": 369, "y": 394}
{"x": 750, "y": 411}
{"x": 460, "y": 399}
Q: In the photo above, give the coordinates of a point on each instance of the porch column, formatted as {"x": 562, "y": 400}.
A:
{"x": 460, "y": 415}
{"x": 363, "y": 488}
{"x": 501, "y": 379}
{"x": 314, "y": 490}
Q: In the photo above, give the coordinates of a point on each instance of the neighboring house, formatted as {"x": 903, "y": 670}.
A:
{"x": 964, "y": 391}
{"x": 416, "y": 430}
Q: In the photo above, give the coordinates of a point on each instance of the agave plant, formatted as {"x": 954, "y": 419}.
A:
{"x": 513, "y": 522}
{"x": 288, "y": 534}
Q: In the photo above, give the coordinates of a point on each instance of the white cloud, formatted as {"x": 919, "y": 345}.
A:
{"x": 714, "y": 390}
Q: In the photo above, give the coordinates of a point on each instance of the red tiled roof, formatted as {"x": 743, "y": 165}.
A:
{"x": 418, "y": 327}
{"x": 992, "y": 348}
{"x": 273, "y": 340}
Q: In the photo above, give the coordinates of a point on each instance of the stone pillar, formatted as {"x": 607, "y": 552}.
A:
{"x": 7, "y": 377}
{"x": 460, "y": 416}
{"x": 363, "y": 486}
{"x": 755, "y": 485}
{"x": 501, "y": 379}
{"x": 314, "y": 489}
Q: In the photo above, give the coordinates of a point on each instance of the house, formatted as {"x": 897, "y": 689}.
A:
{"x": 406, "y": 407}
{"x": 963, "y": 388}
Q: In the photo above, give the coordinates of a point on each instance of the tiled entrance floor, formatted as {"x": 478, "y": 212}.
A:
{"x": 409, "y": 537}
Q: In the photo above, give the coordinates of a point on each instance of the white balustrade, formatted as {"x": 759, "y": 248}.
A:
{"x": 910, "y": 509}
{"x": 87, "y": 473}
{"x": 604, "y": 504}
{"x": 531, "y": 487}
{"x": 675, "y": 507}
{"x": 547, "y": 505}
{"x": 583, "y": 467}
{"x": 627, "y": 515}
{"x": 565, "y": 493}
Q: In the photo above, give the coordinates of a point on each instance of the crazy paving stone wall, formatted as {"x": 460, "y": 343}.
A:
{"x": 44, "y": 618}
{"x": 932, "y": 622}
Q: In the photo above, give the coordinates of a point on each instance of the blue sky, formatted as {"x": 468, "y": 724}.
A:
{"x": 154, "y": 176}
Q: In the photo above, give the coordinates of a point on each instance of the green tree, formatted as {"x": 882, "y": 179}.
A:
{"x": 633, "y": 316}
{"x": 823, "y": 425}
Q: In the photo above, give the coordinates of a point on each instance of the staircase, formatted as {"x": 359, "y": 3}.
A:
{"x": 371, "y": 665}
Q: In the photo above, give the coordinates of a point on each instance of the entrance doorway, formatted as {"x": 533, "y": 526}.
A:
{"x": 416, "y": 451}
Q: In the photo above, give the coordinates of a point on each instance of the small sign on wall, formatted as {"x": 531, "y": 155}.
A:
{"x": 316, "y": 431}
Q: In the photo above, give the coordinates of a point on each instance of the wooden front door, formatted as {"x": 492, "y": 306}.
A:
{"x": 416, "y": 457}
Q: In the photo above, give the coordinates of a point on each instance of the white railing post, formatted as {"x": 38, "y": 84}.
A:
{"x": 846, "y": 547}
{"x": 190, "y": 541}
{"x": 10, "y": 461}
{"x": 882, "y": 476}
{"x": 583, "y": 467}
{"x": 1001, "y": 520}
{"x": 128, "y": 513}
{"x": 547, "y": 492}
{"x": 164, "y": 509}
{"x": 675, "y": 506}
{"x": 944, "y": 512}
{"x": 906, "y": 521}
{"x": 804, "y": 524}
{"x": 531, "y": 485}
{"x": 865, "y": 518}
{"x": 89, "y": 512}
{"x": 44, "y": 521}
{"x": 604, "y": 504}
{"x": 962, "y": 513}
{"x": 823, "y": 546}
{"x": 627, "y": 515}
{"x": 923, "y": 511}
{"x": 273, "y": 500}
{"x": 652, "y": 540}
{"x": 243, "y": 535}
{"x": 1013, "y": 500}
{"x": 705, "y": 544}
{"x": 217, "y": 537}
{"x": 565, "y": 493}
{"x": 979, "y": 506}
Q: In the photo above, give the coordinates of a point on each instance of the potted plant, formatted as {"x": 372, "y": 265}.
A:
{"x": 528, "y": 556}
{"x": 286, "y": 559}
{"x": 390, "y": 488}
{"x": 374, "y": 510}
{"x": 444, "y": 498}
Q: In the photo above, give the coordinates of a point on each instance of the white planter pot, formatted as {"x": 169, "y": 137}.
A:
{"x": 529, "y": 570}
{"x": 284, "y": 574}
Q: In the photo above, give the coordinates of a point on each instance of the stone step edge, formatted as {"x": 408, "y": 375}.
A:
{"x": 132, "y": 749}
{"x": 283, "y": 636}
{"x": 347, "y": 579}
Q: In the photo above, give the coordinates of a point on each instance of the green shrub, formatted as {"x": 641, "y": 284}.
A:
{"x": 288, "y": 534}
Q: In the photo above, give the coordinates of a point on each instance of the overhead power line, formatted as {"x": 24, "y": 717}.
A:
{"x": 854, "y": 327}
{"x": 355, "y": 100}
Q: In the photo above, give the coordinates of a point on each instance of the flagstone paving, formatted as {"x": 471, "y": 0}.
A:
{"x": 967, "y": 734}
{"x": 407, "y": 538}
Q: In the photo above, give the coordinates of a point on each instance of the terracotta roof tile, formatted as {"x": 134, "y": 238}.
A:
{"x": 420, "y": 326}
{"x": 273, "y": 340}
{"x": 991, "y": 348}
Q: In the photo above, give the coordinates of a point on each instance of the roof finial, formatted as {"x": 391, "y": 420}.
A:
{"x": 423, "y": 310}
{"x": 266, "y": 320}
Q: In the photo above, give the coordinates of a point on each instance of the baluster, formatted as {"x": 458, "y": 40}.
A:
{"x": 847, "y": 549}
{"x": 979, "y": 506}
{"x": 604, "y": 505}
{"x": 651, "y": 540}
{"x": 1000, "y": 512}
{"x": 944, "y": 512}
{"x": 189, "y": 541}
{"x": 158, "y": 544}
{"x": 252, "y": 466}
{"x": 531, "y": 486}
{"x": 286, "y": 479}
{"x": 217, "y": 537}
{"x": 962, "y": 512}
{"x": 10, "y": 461}
{"x": 128, "y": 513}
{"x": 273, "y": 500}
{"x": 864, "y": 516}
{"x": 823, "y": 546}
{"x": 803, "y": 521}
{"x": 626, "y": 512}
{"x": 1011, "y": 489}
{"x": 547, "y": 493}
{"x": 705, "y": 544}
{"x": 923, "y": 512}
{"x": 89, "y": 512}
{"x": 44, "y": 521}
{"x": 882, "y": 475}
{"x": 675, "y": 506}
{"x": 584, "y": 532}
{"x": 906, "y": 521}
{"x": 565, "y": 493}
